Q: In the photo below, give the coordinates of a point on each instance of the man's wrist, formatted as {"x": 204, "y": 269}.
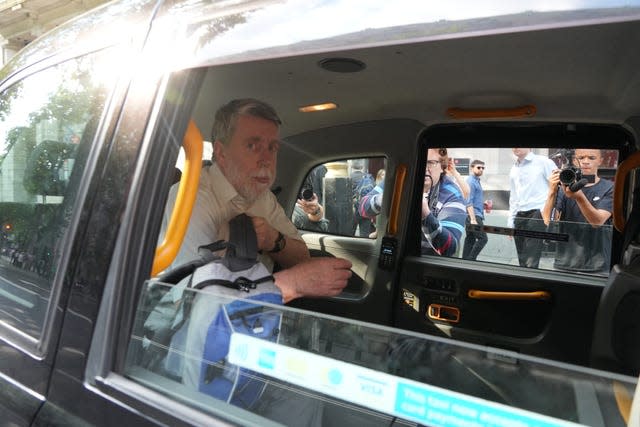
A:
{"x": 279, "y": 243}
{"x": 283, "y": 280}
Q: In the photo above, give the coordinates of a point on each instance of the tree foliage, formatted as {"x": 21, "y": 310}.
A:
{"x": 44, "y": 166}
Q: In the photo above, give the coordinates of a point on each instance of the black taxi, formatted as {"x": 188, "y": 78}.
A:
{"x": 100, "y": 117}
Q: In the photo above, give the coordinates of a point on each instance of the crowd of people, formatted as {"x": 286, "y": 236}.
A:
{"x": 538, "y": 200}
{"x": 453, "y": 207}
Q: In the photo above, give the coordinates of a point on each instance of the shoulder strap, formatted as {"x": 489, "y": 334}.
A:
{"x": 205, "y": 255}
{"x": 242, "y": 249}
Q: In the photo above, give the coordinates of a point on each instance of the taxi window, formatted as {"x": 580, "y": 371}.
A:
{"x": 320, "y": 369}
{"x": 47, "y": 122}
{"x": 504, "y": 206}
{"x": 342, "y": 197}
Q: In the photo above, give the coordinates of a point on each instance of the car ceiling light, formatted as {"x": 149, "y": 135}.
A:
{"x": 492, "y": 113}
{"x": 318, "y": 107}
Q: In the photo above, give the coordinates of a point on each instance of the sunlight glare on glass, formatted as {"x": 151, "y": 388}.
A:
{"x": 297, "y": 21}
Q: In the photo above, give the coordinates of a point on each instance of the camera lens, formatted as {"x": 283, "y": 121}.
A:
{"x": 567, "y": 176}
{"x": 307, "y": 194}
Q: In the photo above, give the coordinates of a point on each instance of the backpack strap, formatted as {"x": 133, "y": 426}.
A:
{"x": 205, "y": 255}
{"x": 242, "y": 248}
{"x": 241, "y": 283}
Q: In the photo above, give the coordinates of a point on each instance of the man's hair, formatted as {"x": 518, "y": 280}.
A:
{"x": 227, "y": 116}
{"x": 477, "y": 162}
{"x": 444, "y": 158}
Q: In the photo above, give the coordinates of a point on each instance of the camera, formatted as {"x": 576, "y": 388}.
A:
{"x": 570, "y": 174}
{"x": 306, "y": 193}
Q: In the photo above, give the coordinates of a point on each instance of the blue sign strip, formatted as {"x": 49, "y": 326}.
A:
{"x": 433, "y": 408}
{"x": 380, "y": 391}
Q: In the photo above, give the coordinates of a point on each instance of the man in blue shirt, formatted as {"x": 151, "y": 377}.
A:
{"x": 589, "y": 246}
{"x": 475, "y": 240}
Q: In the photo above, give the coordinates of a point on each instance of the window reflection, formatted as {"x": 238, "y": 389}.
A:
{"x": 333, "y": 371}
{"x": 345, "y": 198}
{"x": 44, "y": 138}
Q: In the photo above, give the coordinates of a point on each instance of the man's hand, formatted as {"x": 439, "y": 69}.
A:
{"x": 451, "y": 168}
{"x": 265, "y": 233}
{"x": 570, "y": 194}
{"x": 554, "y": 181}
{"x": 312, "y": 208}
{"x": 425, "y": 206}
{"x": 317, "y": 277}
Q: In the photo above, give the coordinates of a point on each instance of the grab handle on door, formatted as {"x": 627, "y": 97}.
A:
{"x": 512, "y": 296}
{"x": 443, "y": 313}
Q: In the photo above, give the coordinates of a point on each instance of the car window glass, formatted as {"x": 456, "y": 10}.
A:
{"x": 342, "y": 197}
{"x": 340, "y": 372}
{"x": 487, "y": 205}
{"x": 47, "y": 122}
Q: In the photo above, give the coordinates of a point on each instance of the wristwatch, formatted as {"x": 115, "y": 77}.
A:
{"x": 279, "y": 244}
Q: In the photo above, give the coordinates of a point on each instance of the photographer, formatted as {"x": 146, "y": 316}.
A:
{"x": 588, "y": 199}
{"x": 443, "y": 207}
{"x": 371, "y": 204}
{"x": 308, "y": 213}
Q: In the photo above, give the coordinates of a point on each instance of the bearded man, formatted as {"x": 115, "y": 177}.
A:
{"x": 246, "y": 140}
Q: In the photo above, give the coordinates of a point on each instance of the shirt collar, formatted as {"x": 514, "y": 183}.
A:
{"x": 527, "y": 158}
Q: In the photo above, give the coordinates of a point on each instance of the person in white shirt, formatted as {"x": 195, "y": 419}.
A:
{"x": 529, "y": 181}
{"x": 246, "y": 143}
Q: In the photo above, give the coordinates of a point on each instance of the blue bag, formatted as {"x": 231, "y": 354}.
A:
{"x": 235, "y": 294}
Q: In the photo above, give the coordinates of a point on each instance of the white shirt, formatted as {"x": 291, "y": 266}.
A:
{"x": 529, "y": 181}
{"x": 217, "y": 202}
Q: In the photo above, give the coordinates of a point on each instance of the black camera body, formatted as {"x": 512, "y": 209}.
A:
{"x": 306, "y": 193}
{"x": 571, "y": 174}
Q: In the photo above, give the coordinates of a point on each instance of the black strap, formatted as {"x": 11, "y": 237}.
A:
{"x": 242, "y": 250}
{"x": 241, "y": 283}
{"x": 205, "y": 255}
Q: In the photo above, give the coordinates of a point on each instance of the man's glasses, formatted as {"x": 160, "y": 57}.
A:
{"x": 432, "y": 163}
{"x": 480, "y": 167}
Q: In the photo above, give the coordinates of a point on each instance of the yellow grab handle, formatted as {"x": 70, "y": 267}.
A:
{"x": 394, "y": 214}
{"x": 624, "y": 168}
{"x": 623, "y": 400}
{"x": 185, "y": 199}
{"x": 518, "y": 296}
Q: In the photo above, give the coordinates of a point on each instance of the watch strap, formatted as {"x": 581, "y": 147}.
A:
{"x": 279, "y": 243}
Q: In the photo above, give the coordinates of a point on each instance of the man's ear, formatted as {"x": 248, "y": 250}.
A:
{"x": 218, "y": 151}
